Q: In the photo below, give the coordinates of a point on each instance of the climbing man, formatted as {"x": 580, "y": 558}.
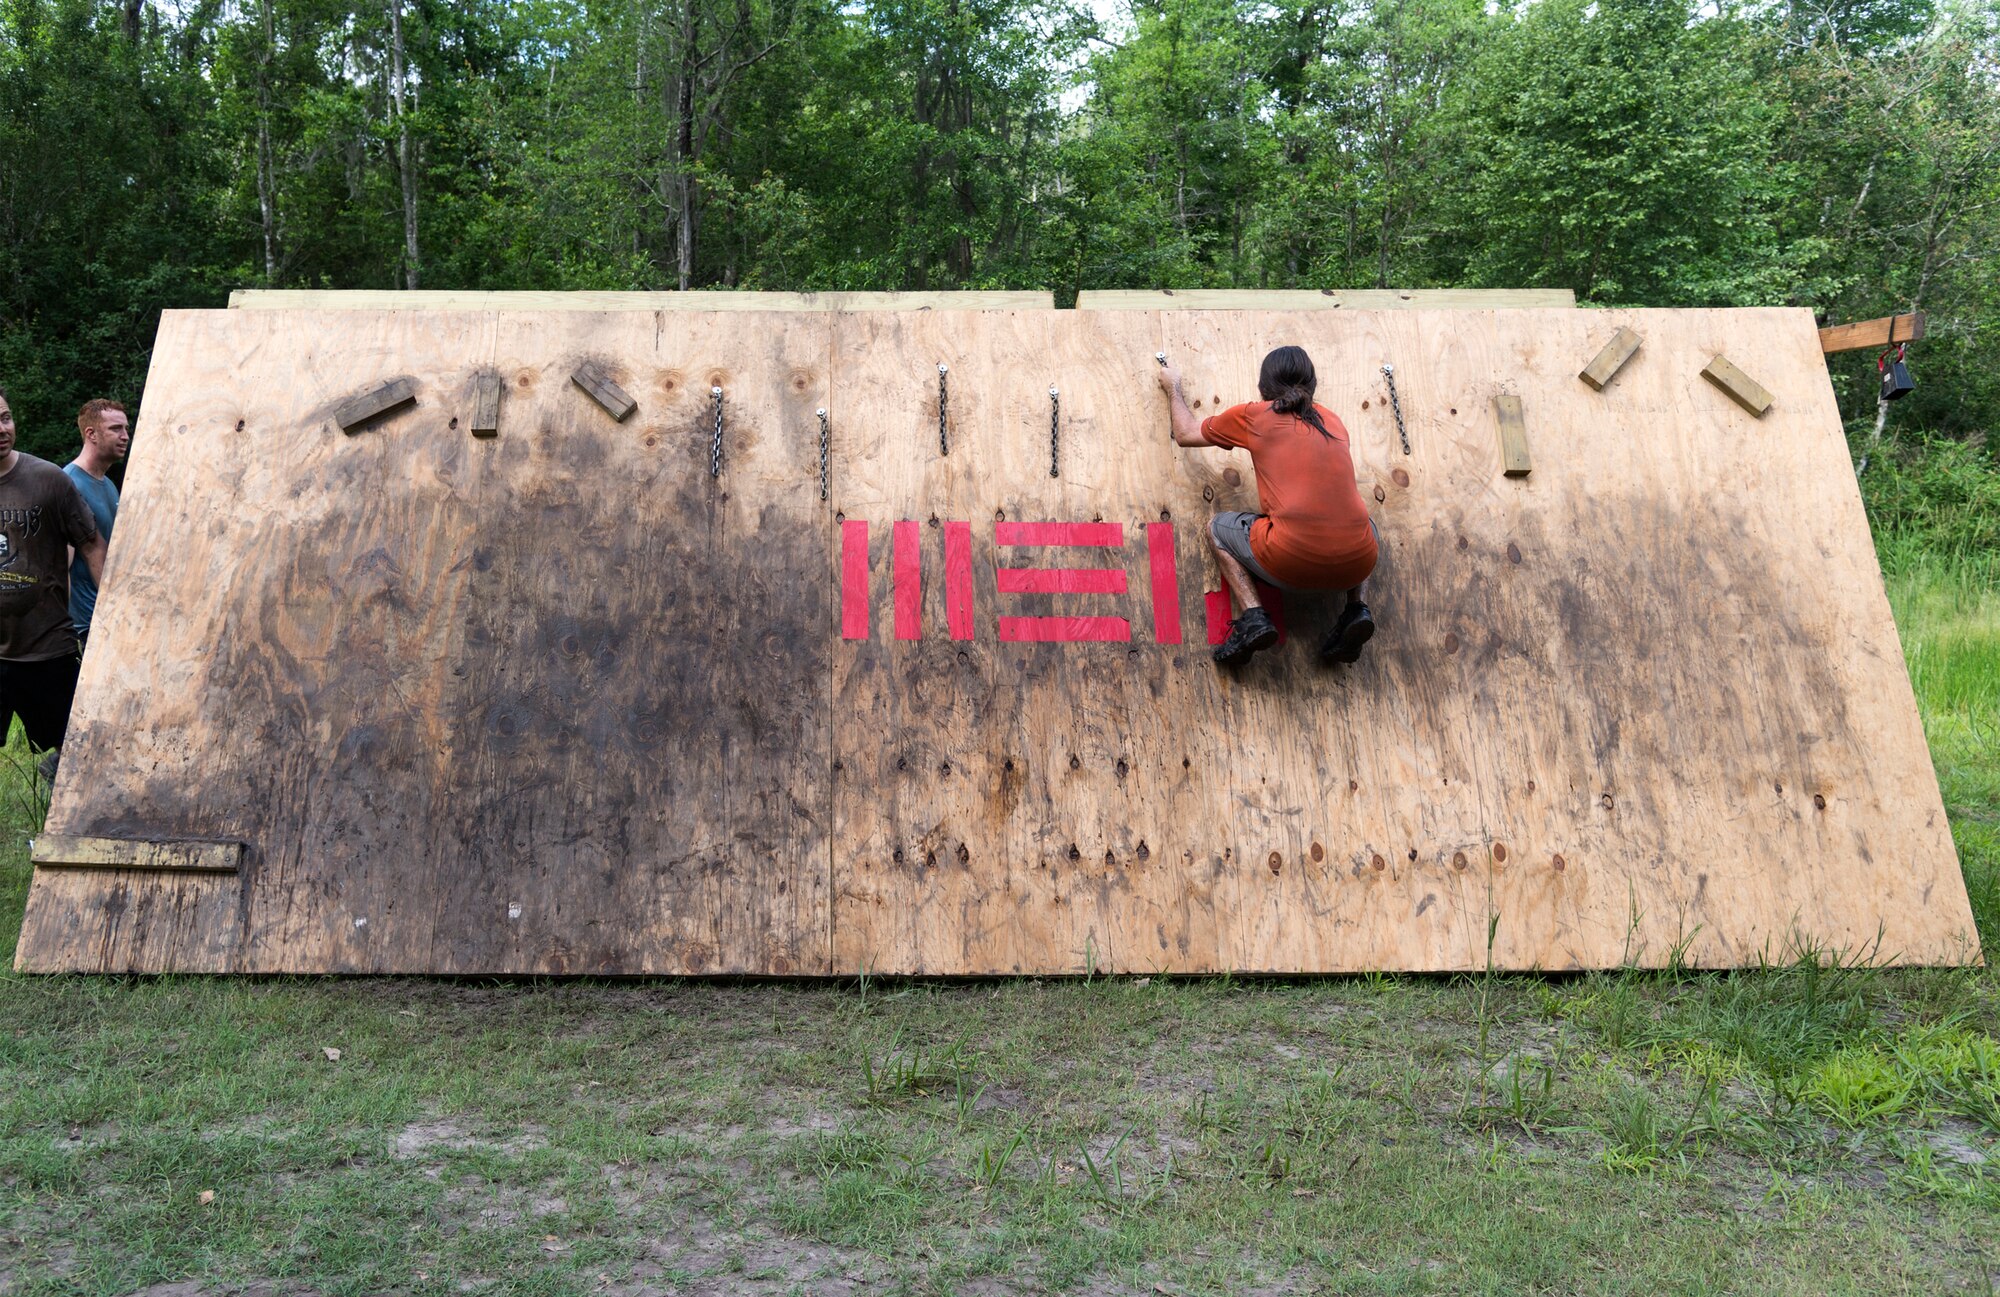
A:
{"x": 107, "y": 435}
{"x": 41, "y": 519}
{"x": 1314, "y": 532}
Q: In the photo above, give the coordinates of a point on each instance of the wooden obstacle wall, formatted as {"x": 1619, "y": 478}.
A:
{"x": 559, "y": 700}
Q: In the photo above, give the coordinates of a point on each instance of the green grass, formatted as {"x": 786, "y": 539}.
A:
{"x": 1814, "y": 1128}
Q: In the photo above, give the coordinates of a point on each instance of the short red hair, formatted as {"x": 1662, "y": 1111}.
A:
{"x": 92, "y": 413}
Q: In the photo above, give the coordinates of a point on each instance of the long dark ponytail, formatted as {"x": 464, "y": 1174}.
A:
{"x": 1287, "y": 381}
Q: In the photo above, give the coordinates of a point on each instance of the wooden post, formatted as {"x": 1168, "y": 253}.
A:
{"x": 1885, "y": 332}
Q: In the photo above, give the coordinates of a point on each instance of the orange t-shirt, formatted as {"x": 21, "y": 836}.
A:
{"x": 1315, "y": 533}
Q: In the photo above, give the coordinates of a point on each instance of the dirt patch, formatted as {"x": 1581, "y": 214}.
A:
{"x": 420, "y": 1138}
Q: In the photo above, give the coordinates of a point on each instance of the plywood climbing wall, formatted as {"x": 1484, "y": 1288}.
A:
{"x": 562, "y": 701}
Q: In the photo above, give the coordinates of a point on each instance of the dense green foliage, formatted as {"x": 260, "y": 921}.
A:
{"x": 1838, "y": 154}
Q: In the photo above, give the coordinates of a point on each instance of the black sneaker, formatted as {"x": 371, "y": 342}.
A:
{"x": 1248, "y": 634}
{"x": 1353, "y": 630}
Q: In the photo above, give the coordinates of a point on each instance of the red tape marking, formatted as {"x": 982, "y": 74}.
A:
{"x": 854, "y": 580}
{"x": 1064, "y": 630}
{"x": 1219, "y": 608}
{"x": 958, "y": 579}
{"x": 1166, "y": 582}
{"x": 909, "y": 579}
{"x": 1059, "y": 533}
{"x": 1061, "y": 580}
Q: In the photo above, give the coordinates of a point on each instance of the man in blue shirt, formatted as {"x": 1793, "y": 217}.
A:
{"x": 107, "y": 435}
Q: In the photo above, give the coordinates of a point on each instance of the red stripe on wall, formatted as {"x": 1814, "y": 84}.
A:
{"x": 1166, "y": 582}
{"x": 854, "y": 580}
{"x": 1220, "y": 607}
{"x": 909, "y": 579}
{"x": 1061, "y": 580}
{"x": 1059, "y": 533}
{"x": 1064, "y": 630}
{"x": 958, "y": 579}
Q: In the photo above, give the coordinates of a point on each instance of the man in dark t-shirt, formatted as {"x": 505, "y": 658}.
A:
{"x": 41, "y": 518}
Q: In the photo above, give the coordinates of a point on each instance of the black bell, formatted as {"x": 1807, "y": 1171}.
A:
{"x": 1896, "y": 380}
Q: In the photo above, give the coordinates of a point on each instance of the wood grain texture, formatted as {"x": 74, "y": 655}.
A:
{"x": 391, "y": 299}
{"x": 55, "y": 849}
{"x": 1605, "y": 365}
{"x": 1322, "y": 299}
{"x": 559, "y": 702}
{"x": 1738, "y": 386}
{"x": 1885, "y": 332}
{"x": 1514, "y": 458}
{"x": 374, "y": 403}
{"x": 553, "y": 702}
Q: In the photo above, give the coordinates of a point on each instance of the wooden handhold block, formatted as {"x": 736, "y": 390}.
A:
{"x": 355, "y": 411}
{"x": 486, "y": 405}
{"x": 1740, "y": 387}
{"x": 599, "y": 387}
{"x": 1610, "y": 360}
{"x": 1514, "y": 459}
{"x": 62, "y": 850}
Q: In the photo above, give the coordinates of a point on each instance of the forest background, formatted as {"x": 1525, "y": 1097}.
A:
{"x": 1836, "y": 154}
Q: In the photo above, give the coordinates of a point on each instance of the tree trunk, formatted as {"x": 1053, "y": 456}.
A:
{"x": 684, "y": 150}
{"x": 405, "y": 154}
{"x": 267, "y": 197}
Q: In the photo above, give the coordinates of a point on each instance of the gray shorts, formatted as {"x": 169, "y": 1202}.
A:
{"x": 1232, "y": 532}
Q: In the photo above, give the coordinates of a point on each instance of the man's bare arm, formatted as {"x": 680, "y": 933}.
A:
{"x": 1187, "y": 428}
{"x": 93, "y": 553}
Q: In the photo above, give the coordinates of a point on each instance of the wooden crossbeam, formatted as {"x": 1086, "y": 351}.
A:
{"x": 53, "y": 850}
{"x": 1885, "y": 332}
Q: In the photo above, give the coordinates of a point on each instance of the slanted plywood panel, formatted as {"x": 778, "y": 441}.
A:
{"x": 545, "y": 702}
{"x": 560, "y": 701}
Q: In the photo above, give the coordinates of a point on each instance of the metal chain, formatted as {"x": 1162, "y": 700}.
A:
{"x": 1055, "y": 430}
{"x": 944, "y": 445}
{"x": 715, "y": 445}
{"x": 823, "y": 437}
{"x": 1389, "y": 372}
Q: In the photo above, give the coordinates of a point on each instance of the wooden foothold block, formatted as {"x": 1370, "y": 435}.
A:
{"x": 372, "y": 404}
{"x": 1738, "y": 386}
{"x": 1514, "y": 459}
{"x": 1610, "y": 360}
{"x": 486, "y": 405}
{"x": 62, "y": 850}
{"x": 599, "y": 387}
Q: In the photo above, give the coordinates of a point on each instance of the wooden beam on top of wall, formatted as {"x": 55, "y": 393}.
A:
{"x": 63, "y": 850}
{"x": 370, "y": 299}
{"x": 1885, "y": 332}
{"x": 1322, "y": 299}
